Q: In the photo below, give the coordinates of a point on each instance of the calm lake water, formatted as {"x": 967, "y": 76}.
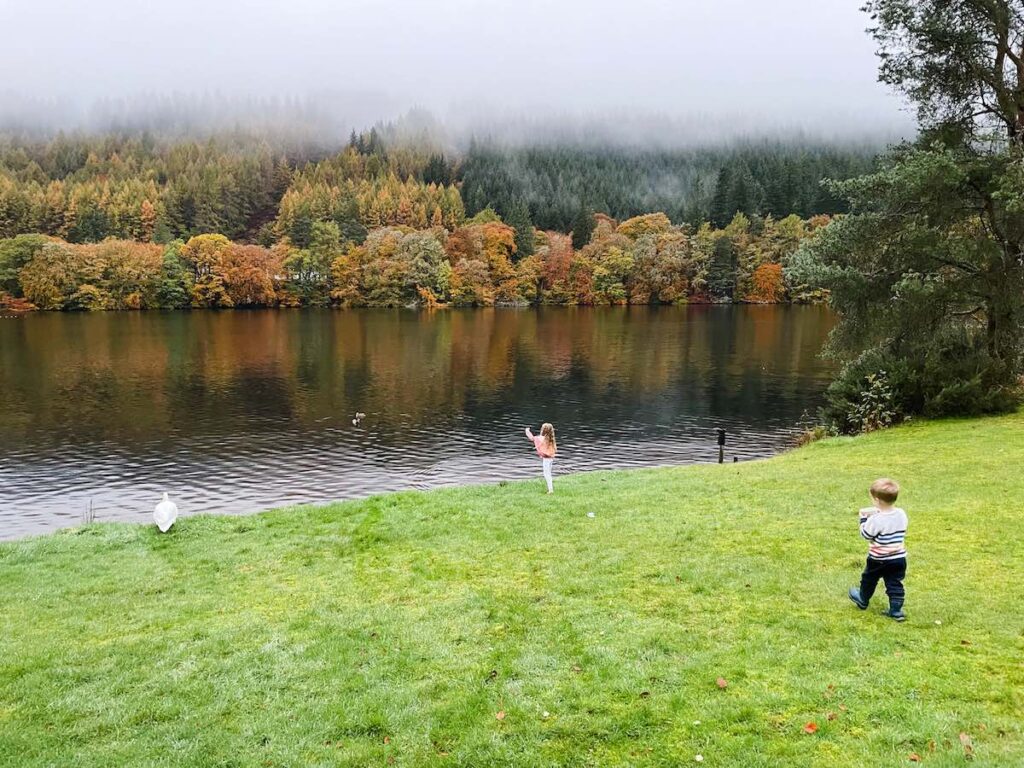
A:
{"x": 240, "y": 411}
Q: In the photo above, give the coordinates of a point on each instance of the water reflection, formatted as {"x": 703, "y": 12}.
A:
{"x": 238, "y": 411}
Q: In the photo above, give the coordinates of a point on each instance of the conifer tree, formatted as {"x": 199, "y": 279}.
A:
{"x": 721, "y": 202}
{"x": 582, "y": 227}
{"x": 519, "y": 219}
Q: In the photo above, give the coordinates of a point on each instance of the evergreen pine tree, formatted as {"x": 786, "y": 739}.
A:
{"x": 722, "y": 270}
{"x": 173, "y": 289}
{"x": 519, "y": 219}
{"x": 582, "y": 227}
{"x": 721, "y": 212}
{"x": 741, "y": 194}
{"x": 437, "y": 171}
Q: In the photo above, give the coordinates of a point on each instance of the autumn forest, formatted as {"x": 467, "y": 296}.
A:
{"x": 138, "y": 222}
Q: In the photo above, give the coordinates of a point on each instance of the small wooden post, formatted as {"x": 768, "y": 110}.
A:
{"x": 721, "y": 444}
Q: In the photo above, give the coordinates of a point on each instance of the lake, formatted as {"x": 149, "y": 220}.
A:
{"x": 239, "y": 411}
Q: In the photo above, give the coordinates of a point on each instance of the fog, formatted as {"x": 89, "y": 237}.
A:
{"x": 662, "y": 71}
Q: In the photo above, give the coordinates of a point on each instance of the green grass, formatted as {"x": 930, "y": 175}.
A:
{"x": 394, "y": 630}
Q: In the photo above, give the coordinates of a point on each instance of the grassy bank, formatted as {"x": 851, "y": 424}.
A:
{"x": 500, "y": 626}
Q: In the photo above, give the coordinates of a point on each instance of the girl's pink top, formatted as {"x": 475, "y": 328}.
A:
{"x": 542, "y": 447}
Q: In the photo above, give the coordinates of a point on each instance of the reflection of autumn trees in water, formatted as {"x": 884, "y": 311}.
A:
{"x": 141, "y": 376}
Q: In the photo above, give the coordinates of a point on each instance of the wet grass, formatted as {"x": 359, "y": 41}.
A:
{"x": 500, "y": 626}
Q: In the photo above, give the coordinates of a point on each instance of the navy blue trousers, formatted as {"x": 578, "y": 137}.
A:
{"x": 892, "y": 572}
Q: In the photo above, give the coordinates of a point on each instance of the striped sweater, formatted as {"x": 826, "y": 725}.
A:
{"x": 885, "y": 531}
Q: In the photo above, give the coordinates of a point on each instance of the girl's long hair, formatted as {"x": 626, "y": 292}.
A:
{"x": 548, "y": 433}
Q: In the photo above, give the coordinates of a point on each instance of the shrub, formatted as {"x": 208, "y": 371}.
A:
{"x": 881, "y": 388}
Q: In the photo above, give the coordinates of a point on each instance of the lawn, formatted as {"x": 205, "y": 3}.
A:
{"x": 700, "y": 611}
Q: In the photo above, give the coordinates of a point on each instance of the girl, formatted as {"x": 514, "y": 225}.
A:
{"x": 546, "y": 449}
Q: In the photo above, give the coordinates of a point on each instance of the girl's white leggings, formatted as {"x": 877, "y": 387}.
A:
{"x": 547, "y": 472}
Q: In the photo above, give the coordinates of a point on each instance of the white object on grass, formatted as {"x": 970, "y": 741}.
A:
{"x": 165, "y": 514}
{"x": 590, "y": 514}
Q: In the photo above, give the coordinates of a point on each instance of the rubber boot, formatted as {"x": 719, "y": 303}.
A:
{"x": 855, "y": 597}
{"x": 896, "y": 610}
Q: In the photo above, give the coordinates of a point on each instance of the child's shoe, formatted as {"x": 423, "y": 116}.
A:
{"x": 895, "y": 611}
{"x": 855, "y": 597}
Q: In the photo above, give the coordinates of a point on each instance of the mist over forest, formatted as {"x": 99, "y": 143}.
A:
{"x": 463, "y": 152}
{"x": 619, "y": 163}
{"x": 326, "y": 120}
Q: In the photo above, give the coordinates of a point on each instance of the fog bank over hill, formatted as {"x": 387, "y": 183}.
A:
{"x": 327, "y": 120}
{"x": 646, "y": 73}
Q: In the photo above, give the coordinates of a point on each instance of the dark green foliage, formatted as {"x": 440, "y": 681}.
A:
{"x": 310, "y": 267}
{"x": 301, "y": 231}
{"x": 519, "y": 219}
{"x": 162, "y": 233}
{"x": 91, "y": 226}
{"x": 438, "y": 171}
{"x": 15, "y": 253}
{"x": 948, "y": 379}
{"x": 923, "y": 289}
{"x": 722, "y": 271}
{"x": 927, "y": 272}
{"x": 556, "y": 180}
{"x": 722, "y": 211}
{"x": 582, "y": 227}
{"x": 174, "y": 284}
{"x": 350, "y": 228}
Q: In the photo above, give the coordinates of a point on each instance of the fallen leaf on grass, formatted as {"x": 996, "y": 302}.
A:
{"x": 831, "y": 716}
{"x": 914, "y": 757}
{"x": 722, "y": 683}
{"x": 968, "y": 745}
{"x": 499, "y": 715}
{"x": 842, "y": 707}
{"x": 387, "y": 739}
{"x": 811, "y": 727}
{"x": 965, "y": 642}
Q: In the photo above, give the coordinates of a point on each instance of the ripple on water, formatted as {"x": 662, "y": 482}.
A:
{"x": 115, "y": 410}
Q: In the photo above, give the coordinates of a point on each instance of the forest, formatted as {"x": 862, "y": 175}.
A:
{"x": 135, "y": 221}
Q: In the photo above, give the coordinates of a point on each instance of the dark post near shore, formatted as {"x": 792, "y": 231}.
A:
{"x": 721, "y": 444}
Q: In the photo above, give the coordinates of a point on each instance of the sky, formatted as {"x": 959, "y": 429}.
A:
{"x": 805, "y": 63}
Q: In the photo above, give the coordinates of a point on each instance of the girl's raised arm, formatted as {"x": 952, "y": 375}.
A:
{"x": 529, "y": 434}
